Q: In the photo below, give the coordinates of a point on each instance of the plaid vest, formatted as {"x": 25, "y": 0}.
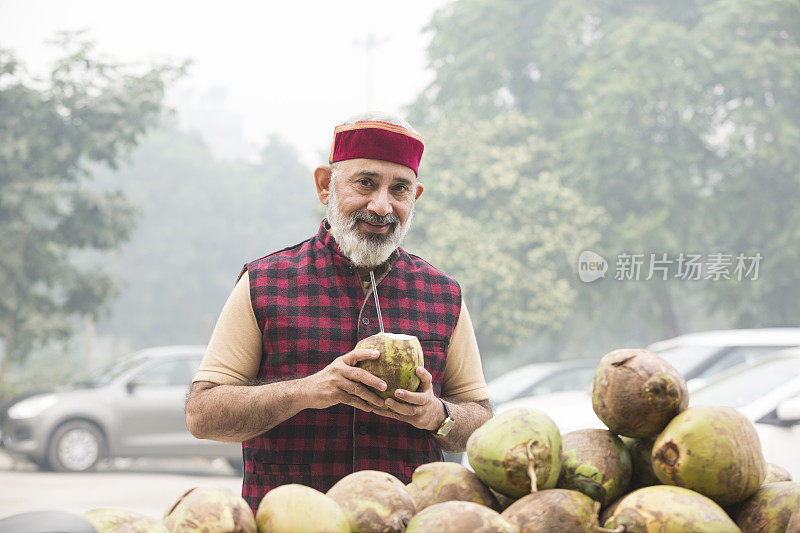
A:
{"x": 310, "y": 306}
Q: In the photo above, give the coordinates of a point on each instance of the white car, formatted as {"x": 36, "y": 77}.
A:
{"x": 542, "y": 378}
{"x": 767, "y": 391}
{"x": 700, "y": 356}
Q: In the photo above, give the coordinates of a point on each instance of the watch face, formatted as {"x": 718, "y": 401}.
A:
{"x": 446, "y": 427}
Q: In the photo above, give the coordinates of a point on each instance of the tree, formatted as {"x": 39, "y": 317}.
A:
{"x": 681, "y": 122}
{"x": 492, "y": 215}
{"x": 201, "y": 220}
{"x": 88, "y": 111}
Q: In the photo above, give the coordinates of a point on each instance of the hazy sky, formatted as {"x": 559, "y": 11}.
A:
{"x": 292, "y": 68}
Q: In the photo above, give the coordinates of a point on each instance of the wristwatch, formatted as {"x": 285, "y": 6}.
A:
{"x": 448, "y": 423}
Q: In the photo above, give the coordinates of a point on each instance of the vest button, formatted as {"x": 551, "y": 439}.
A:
{"x": 362, "y": 429}
{"x": 365, "y": 321}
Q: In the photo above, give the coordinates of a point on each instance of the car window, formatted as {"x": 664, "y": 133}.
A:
{"x": 686, "y": 358}
{"x": 744, "y": 387}
{"x": 737, "y": 355}
{"x": 564, "y": 380}
{"x": 170, "y": 373}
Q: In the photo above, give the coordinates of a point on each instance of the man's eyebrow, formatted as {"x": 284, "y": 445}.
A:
{"x": 403, "y": 180}
{"x": 367, "y": 174}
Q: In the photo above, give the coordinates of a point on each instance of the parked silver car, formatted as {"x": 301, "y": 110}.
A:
{"x": 134, "y": 409}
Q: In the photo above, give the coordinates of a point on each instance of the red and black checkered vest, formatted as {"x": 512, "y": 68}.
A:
{"x": 310, "y": 306}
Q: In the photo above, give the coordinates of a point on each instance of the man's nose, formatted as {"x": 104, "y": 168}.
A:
{"x": 379, "y": 203}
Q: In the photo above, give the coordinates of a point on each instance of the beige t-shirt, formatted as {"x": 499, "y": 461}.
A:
{"x": 233, "y": 355}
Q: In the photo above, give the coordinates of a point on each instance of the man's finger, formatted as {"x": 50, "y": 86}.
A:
{"x": 401, "y": 408}
{"x": 362, "y": 376}
{"x": 356, "y": 389}
{"x": 358, "y": 403}
{"x": 359, "y": 354}
{"x": 416, "y": 398}
{"x": 425, "y": 379}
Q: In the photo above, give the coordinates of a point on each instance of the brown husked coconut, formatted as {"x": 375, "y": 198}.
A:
{"x": 295, "y": 508}
{"x": 596, "y": 463}
{"x": 397, "y": 365}
{"x": 455, "y": 517}
{"x": 122, "y": 521}
{"x": 769, "y": 509}
{"x": 562, "y": 510}
{"x": 440, "y": 482}
{"x": 712, "y": 450}
{"x": 794, "y": 522}
{"x": 641, "y": 451}
{"x": 776, "y": 473}
{"x": 669, "y": 509}
{"x": 374, "y": 501}
{"x": 636, "y": 392}
{"x": 210, "y": 509}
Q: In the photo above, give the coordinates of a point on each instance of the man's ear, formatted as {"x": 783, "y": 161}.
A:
{"x": 419, "y": 190}
{"x": 322, "y": 177}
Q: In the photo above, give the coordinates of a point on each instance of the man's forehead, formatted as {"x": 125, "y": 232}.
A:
{"x": 379, "y": 169}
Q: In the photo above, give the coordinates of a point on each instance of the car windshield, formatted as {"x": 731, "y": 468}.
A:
{"x": 110, "y": 373}
{"x": 511, "y": 384}
{"x": 686, "y": 358}
{"x": 748, "y": 385}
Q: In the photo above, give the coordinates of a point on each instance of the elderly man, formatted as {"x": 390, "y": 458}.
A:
{"x": 280, "y": 371}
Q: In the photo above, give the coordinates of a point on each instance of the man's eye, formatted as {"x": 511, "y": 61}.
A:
{"x": 365, "y": 182}
{"x": 401, "y": 188}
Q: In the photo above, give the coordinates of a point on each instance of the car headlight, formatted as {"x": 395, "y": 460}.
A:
{"x": 30, "y": 407}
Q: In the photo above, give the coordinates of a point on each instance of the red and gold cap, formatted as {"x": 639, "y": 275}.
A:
{"x": 372, "y": 139}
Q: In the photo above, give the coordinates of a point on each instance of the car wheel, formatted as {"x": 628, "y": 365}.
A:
{"x": 76, "y": 446}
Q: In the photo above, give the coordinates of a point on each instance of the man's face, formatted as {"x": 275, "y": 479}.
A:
{"x": 370, "y": 207}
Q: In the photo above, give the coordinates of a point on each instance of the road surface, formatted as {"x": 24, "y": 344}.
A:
{"x": 147, "y": 486}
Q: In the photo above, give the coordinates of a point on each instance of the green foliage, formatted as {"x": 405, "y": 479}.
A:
{"x": 201, "y": 220}
{"x": 87, "y": 112}
{"x": 681, "y": 120}
{"x": 491, "y": 216}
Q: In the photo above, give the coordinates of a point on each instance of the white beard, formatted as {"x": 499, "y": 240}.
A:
{"x": 365, "y": 250}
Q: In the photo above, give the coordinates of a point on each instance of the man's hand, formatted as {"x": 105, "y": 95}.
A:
{"x": 343, "y": 382}
{"x": 422, "y": 408}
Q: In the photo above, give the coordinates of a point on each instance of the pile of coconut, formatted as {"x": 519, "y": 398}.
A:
{"x": 660, "y": 466}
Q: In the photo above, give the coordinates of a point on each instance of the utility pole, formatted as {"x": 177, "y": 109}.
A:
{"x": 369, "y": 44}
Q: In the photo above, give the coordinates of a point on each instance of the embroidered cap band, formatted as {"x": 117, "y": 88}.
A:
{"x": 372, "y": 139}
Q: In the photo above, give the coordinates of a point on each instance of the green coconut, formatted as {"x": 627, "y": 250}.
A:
{"x": 210, "y": 509}
{"x": 596, "y": 463}
{"x": 712, "y": 450}
{"x": 439, "y": 482}
{"x": 121, "y": 521}
{"x": 397, "y": 365}
{"x": 516, "y": 452}
{"x": 636, "y": 393}
{"x": 503, "y": 501}
{"x": 769, "y": 509}
{"x": 668, "y": 509}
{"x": 295, "y": 508}
{"x": 374, "y": 501}
{"x": 776, "y": 473}
{"x": 641, "y": 450}
{"x": 565, "y": 511}
{"x": 448, "y": 517}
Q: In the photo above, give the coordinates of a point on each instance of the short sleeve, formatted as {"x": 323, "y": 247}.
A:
{"x": 233, "y": 354}
{"x": 463, "y": 373}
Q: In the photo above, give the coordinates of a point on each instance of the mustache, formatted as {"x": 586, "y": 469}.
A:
{"x": 373, "y": 218}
